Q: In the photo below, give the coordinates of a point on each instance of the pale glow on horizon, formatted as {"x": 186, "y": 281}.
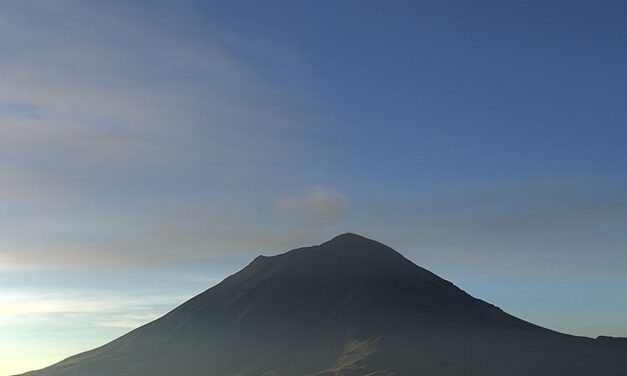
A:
{"x": 43, "y": 326}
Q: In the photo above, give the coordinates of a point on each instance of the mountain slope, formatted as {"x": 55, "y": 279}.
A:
{"x": 350, "y": 306}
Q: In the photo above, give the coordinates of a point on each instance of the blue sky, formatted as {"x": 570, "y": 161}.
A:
{"x": 149, "y": 149}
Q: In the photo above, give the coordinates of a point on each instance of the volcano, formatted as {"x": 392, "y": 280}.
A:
{"x": 347, "y": 307}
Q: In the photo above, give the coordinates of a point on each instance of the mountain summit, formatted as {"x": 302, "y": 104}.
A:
{"x": 348, "y": 307}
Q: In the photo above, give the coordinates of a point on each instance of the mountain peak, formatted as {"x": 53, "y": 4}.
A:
{"x": 350, "y": 236}
{"x": 346, "y": 256}
{"x": 350, "y": 249}
{"x": 351, "y": 240}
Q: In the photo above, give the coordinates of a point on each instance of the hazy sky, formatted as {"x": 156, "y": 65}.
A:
{"x": 149, "y": 149}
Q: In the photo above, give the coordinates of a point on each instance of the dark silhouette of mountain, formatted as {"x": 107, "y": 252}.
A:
{"x": 349, "y": 307}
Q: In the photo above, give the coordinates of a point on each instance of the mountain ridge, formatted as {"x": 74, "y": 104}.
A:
{"x": 346, "y": 307}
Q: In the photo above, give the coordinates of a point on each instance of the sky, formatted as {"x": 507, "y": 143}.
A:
{"x": 150, "y": 149}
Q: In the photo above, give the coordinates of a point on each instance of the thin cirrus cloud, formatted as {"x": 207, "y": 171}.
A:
{"x": 118, "y": 136}
{"x": 93, "y": 98}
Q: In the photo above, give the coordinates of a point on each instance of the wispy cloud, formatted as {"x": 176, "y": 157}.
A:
{"x": 318, "y": 204}
{"x": 75, "y": 309}
{"x": 111, "y": 124}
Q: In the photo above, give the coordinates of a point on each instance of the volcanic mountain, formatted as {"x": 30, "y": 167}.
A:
{"x": 350, "y": 306}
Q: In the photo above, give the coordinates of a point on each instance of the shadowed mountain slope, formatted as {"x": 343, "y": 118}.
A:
{"x": 350, "y": 306}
